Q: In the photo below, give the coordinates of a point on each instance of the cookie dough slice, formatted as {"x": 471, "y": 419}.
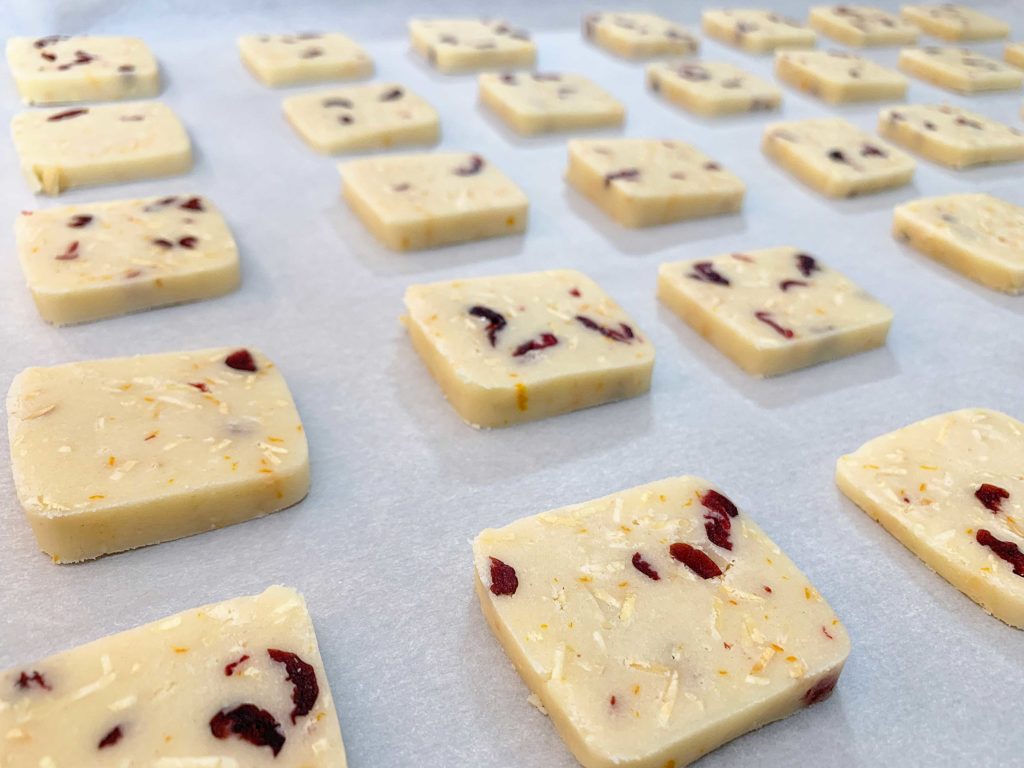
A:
{"x": 951, "y": 136}
{"x": 410, "y": 202}
{"x": 456, "y": 46}
{"x": 236, "y": 683}
{"x": 538, "y": 102}
{"x": 362, "y": 117}
{"x": 861, "y": 25}
{"x": 775, "y": 310}
{"x": 835, "y": 157}
{"x": 63, "y": 148}
{"x": 639, "y": 35}
{"x": 712, "y": 88}
{"x": 756, "y": 31}
{"x": 657, "y": 623}
{"x": 838, "y": 76}
{"x": 958, "y": 69}
{"x": 646, "y": 182}
{"x": 65, "y": 69}
{"x": 950, "y": 489}
{"x": 516, "y": 348}
{"x": 978, "y": 235}
{"x": 86, "y": 262}
{"x": 955, "y": 22}
{"x": 303, "y": 57}
{"x": 109, "y": 455}
{"x": 1014, "y": 53}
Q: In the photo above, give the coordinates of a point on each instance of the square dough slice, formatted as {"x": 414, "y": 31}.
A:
{"x": 176, "y": 693}
{"x": 657, "y": 623}
{"x": 951, "y": 136}
{"x": 756, "y": 31}
{"x": 838, "y": 76}
{"x": 978, "y": 235}
{"x": 861, "y": 25}
{"x": 86, "y": 262}
{"x": 646, "y": 182}
{"x": 63, "y": 148}
{"x": 775, "y": 310}
{"x": 712, "y": 88}
{"x": 410, "y": 202}
{"x": 537, "y": 102}
{"x": 639, "y": 35}
{"x": 1014, "y": 54}
{"x": 960, "y": 70}
{"x": 60, "y": 69}
{"x": 304, "y": 57}
{"x": 516, "y": 348}
{"x": 456, "y": 46}
{"x": 362, "y": 117}
{"x": 950, "y": 489}
{"x": 109, "y": 455}
{"x": 835, "y": 157}
{"x": 955, "y": 22}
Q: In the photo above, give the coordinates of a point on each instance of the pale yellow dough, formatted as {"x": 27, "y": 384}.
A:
{"x": 960, "y": 70}
{"x": 303, "y": 57}
{"x": 978, "y": 235}
{"x": 712, "y": 88}
{"x": 756, "y": 31}
{"x": 923, "y": 483}
{"x": 80, "y": 146}
{"x": 775, "y": 310}
{"x": 861, "y": 25}
{"x": 638, "y": 672}
{"x": 109, "y": 455}
{"x": 86, "y": 262}
{"x": 838, "y": 76}
{"x": 456, "y": 46}
{"x": 639, "y": 35}
{"x": 410, "y": 202}
{"x": 362, "y": 117}
{"x": 835, "y": 157}
{"x": 1014, "y": 53}
{"x": 646, "y": 182}
{"x": 61, "y": 69}
{"x": 955, "y": 22}
{"x": 532, "y": 103}
{"x": 557, "y": 343}
{"x": 951, "y": 136}
{"x": 147, "y": 696}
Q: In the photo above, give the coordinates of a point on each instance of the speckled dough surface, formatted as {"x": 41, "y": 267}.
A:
{"x": 838, "y": 76}
{"x": 545, "y": 102}
{"x": 639, "y": 35}
{"x": 303, "y": 57}
{"x": 861, "y": 25}
{"x": 756, "y": 31}
{"x": 955, "y": 22}
{"x": 454, "y": 46}
{"x": 959, "y": 69}
{"x": 951, "y": 136}
{"x": 712, "y": 88}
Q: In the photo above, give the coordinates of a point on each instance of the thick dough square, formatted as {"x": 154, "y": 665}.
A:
{"x": 955, "y": 22}
{"x": 456, "y": 46}
{"x": 61, "y": 70}
{"x": 639, "y": 35}
{"x": 712, "y": 88}
{"x": 951, "y": 136}
{"x": 756, "y": 31}
{"x": 362, "y": 117}
{"x": 950, "y": 489}
{"x": 775, "y": 310}
{"x": 657, "y": 623}
{"x": 960, "y": 70}
{"x": 86, "y": 262}
{"x": 978, "y": 235}
{"x": 516, "y": 348}
{"x": 63, "y": 148}
{"x": 540, "y": 102}
{"x": 303, "y": 57}
{"x": 838, "y": 76}
{"x": 861, "y": 25}
{"x": 646, "y": 182}
{"x": 109, "y": 455}
{"x": 835, "y": 157}
{"x": 411, "y": 202}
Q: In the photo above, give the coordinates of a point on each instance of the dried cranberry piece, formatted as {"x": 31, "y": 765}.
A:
{"x": 193, "y": 204}
{"x": 47, "y": 56}
{"x": 870, "y": 150}
{"x": 26, "y": 681}
{"x": 820, "y": 691}
{"x": 311, "y": 53}
{"x": 163, "y": 242}
{"x": 43, "y": 42}
{"x": 79, "y": 221}
{"x": 126, "y": 68}
{"x": 716, "y": 521}
{"x": 67, "y": 114}
{"x": 202, "y": 387}
{"x": 111, "y": 738}
{"x": 495, "y": 321}
{"x": 509, "y": 79}
{"x": 188, "y": 242}
{"x": 392, "y": 95}
{"x": 338, "y": 102}
{"x": 503, "y": 578}
{"x": 475, "y": 165}
{"x": 712, "y": 167}
{"x": 695, "y": 560}
{"x": 229, "y": 669}
{"x": 1005, "y": 550}
{"x": 837, "y": 156}
{"x": 346, "y": 119}
{"x": 623, "y": 333}
{"x": 706, "y": 272}
{"x": 766, "y": 318}
{"x": 807, "y": 265}
{"x": 70, "y": 254}
{"x": 249, "y": 723}
{"x": 626, "y": 174}
{"x": 546, "y": 340}
{"x": 241, "y": 360}
{"x": 644, "y": 567}
{"x": 693, "y": 72}
{"x": 785, "y": 285}
{"x": 302, "y": 676}
{"x": 991, "y": 496}
{"x": 961, "y": 120}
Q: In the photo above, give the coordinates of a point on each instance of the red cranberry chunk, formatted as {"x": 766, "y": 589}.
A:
{"x": 644, "y": 567}
{"x": 111, "y": 738}
{"x": 544, "y": 341}
{"x": 188, "y": 242}
{"x": 1005, "y": 550}
{"x": 503, "y": 578}
{"x": 79, "y": 221}
{"x": 717, "y": 524}
{"x": 302, "y": 676}
{"x": 338, "y": 102}
{"x": 393, "y": 94}
{"x": 495, "y": 321}
{"x": 695, "y": 560}
{"x": 473, "y": 167}
{"x": 70, "y": 253}
{"x": 26, "y": 680}
{"x": 785, "y": 285}
{"x": 193, "y": 204}
{"x": 229, "y": 669}
{"x": 806, "y": 264}
{"x": 67, "y": 114}
{"x": 706, "y": 272}
{"x": 249, "y": 723}
{"x": 626, "y": 174}
{"x": 820, "y": 691}
{"x": 991, "y": 496}
{"x": 766, "y": 318}
{"x": 241, "y": 360}
{"x": 623, "y": 333}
